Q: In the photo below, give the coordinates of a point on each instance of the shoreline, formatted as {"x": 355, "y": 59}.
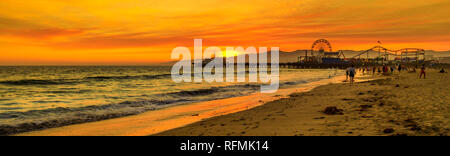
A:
{"x": 160, "y": 120}
{"x": 401, "y": 105}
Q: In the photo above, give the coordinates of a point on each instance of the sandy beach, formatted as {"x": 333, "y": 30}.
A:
{"x": 399, "y": 105}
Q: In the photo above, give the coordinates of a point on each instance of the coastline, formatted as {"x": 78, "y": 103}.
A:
{"x": 160, "y": 120}
{"x": 401, "y": 105}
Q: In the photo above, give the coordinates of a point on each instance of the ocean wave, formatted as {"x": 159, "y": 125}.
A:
{"x": 76, "y": 81}
{"x": 68, "y": 91}
{"x": 17, "y": 122}
{"x": 42, "y": 101}
{"x": 213, "y": 90}
{"x": 128, "y": 77}
{"x": 37, "y": 82}
{"x": 198, "y": 92}
{"x": 4, "y": 99}
{"x": 61, "y": 110}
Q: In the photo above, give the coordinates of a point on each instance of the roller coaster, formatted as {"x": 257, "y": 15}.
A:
{"x": 403, "y": 55}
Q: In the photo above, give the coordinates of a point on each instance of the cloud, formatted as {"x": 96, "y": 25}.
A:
{"x": 119, "y": 41}
{"x": 25, "y": 29}
{"x": 40, "y": 33}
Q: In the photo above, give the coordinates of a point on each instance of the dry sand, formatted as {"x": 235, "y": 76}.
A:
{"x": 402, "y": 104}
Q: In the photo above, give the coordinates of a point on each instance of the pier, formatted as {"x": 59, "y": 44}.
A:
{"x": 322, "y": 56}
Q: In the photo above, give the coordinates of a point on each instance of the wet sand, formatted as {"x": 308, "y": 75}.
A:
{"x": 400, "y": 105}
{"x": 157, "y": 121}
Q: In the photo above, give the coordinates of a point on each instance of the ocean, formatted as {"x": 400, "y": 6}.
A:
{"x": 37, "y": 97}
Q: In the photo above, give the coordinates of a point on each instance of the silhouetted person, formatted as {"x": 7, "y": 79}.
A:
{"x": 385, "y": 69}
{"x": 422, "y": 72}
{"x": 346, "y": 74}
{"x": 352, "y": 73}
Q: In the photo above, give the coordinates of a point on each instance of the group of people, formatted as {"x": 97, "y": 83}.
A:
{"x": 385, "y": 70}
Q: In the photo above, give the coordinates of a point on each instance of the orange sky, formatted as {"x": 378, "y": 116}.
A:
{"x": 56, "y": 32}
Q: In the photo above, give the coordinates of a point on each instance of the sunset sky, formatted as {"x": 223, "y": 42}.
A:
{"x": 54, "y": 32}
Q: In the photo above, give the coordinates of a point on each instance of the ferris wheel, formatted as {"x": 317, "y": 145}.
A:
{"x": 321, "y": 45}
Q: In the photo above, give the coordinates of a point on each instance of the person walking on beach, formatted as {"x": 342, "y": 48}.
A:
{"x": 346, "y": 74}
{"x": 422, "y": 72}
{"x": 352, "y": 73}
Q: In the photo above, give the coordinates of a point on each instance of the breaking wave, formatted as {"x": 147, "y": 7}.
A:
{"x": 82, "y": 80}
{"x": 17, "y": 122}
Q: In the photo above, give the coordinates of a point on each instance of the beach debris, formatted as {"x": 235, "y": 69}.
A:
{"x": 366, "y": 116}
{"x": 373, "y": 99}
{"x": 347, "y": 99}
{"x": 397, "y": 85}
{"x": 319, "y": 117}
{"x": 365, "y": 106}
{"x": 410, "y": 123}
{"x": 332, "y": 110}
{"x": 415, "y": 128}
{"x": 195, "y": 114}
{"x": 295, "y": 95}
{"x": 388, "y": 130}
{"x": 360, "y": 93}
{"x": 399, "y": 134}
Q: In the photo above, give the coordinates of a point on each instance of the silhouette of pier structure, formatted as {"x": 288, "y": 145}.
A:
{"x": 322, "y": 56}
